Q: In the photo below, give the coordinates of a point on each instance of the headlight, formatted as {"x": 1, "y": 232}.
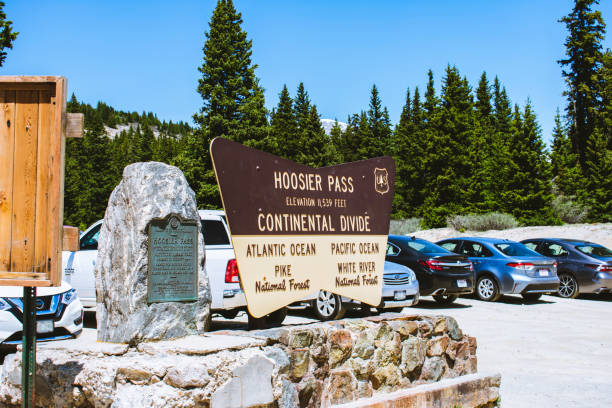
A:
{"x": 411, "y": 276}
{"x": 4, "y": 305}
{"x": 69, "y": 296}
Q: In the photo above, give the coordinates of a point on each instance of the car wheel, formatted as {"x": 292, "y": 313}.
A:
{"x": 487, "y": 289}
{"x": 445, "y": 299}
{"x": 328, "y": 306}
{"x": 229, "y": 314}
{"x": 568, "y": 287}
{"x": 531, "y": 297}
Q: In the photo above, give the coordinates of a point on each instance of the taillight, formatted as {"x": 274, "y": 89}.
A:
{"x": 231, "y": 272}
{"x": 526, "y": 266}
{"x": 605, "y": 268}
{"x": 432, "y": 264}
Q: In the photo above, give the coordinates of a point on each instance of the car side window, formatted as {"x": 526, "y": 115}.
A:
{"x": 471, "y": 249}
{"x": 552, "y": 249}
{"x": 392, "y": 250}
{"x": 90, "y": 240}
{"x": 475, "y": 250}
{"x": 531, "y": 245}
{"x": 214, "y": 233}
{"x": 451, "y": 246}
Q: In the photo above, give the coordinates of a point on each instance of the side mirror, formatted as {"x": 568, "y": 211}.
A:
{"x": 70, "y": 239}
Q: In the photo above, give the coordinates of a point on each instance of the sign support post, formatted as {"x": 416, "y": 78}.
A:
{"x": 28, "y": 363}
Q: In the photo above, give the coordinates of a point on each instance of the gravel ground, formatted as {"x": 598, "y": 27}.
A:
{"x": 600, "y": 233}
{"x": 551, "y": 353}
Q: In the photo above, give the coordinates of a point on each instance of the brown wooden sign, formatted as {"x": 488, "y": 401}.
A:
{"x": 296, "y": 229}
{"x": 32, "y": 129}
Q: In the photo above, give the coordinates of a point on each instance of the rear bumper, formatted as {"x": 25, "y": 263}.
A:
{"x": 449, "y": 285}
{"x": 233, "y": 299}
{"x": 526, "y": 284}
{"x": 602, "y": 283}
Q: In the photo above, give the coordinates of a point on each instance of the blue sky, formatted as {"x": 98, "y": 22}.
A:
{"x": 143, "y": 55}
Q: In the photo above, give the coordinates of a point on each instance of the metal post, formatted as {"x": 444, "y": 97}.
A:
{"x": 28, "y": 363}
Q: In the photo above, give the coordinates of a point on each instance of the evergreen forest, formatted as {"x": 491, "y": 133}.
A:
{"x": 465, "y": 149}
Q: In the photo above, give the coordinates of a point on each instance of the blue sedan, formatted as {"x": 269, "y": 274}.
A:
{"x": 502, "y": 267}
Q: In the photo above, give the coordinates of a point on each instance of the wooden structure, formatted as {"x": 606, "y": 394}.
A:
{"x": 32, "y": 139}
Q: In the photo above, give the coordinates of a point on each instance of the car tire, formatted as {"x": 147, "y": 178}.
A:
{"x": 568, "y": 286}
{"x": 276, "y": 318}
{"x": 229, "y": 314}
{"x": 445, "y": 299}
{"x": 531, "y": 297}
{"x": 328, "y": 306}
{"x": 487, "y": 289}
{"x": 365, "y": 309}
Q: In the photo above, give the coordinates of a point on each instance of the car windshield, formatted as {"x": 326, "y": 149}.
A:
{"x": 515, "y": 249}
{"x": 426, "y": 247}
{"x": 595, "y": 250}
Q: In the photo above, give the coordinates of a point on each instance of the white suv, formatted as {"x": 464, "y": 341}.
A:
{"x": 227, "y": 297}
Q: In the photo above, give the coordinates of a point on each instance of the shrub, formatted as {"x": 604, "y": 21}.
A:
{"x": 482, "y": 222}
{"x": 404, "y": 227}
{"x": 569, "y": 210}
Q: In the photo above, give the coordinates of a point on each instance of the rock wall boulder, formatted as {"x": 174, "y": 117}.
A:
{"x": 147, "y": 191}
{"x": 315, "y": 365}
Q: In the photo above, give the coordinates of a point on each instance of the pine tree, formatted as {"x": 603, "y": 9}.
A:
{"x": 7, "y": 35}
{"x": 147, "y": 144}
{"x": 233, "y": 101}
{"x": 528, "y": 196}
{"x": 431, "y": 101}
{"x": 284, "y": 128}
{"x": 564, "y": 162}
{"x": 447, "y": 156}
{"x": 315, "y": 148}
{"x": 598, "y": 174}
{"x": 584, "y": 59}
{"x": 376, "y": 136}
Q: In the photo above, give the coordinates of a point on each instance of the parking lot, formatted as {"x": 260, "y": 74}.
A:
{"x": 551, "y": 353}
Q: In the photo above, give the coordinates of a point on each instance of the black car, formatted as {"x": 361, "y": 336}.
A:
{"x": 583, "y": 266}
{"x": 440, "y": 273}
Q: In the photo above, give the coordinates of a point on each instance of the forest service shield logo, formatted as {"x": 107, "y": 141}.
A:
{"x": 381, "y": 180}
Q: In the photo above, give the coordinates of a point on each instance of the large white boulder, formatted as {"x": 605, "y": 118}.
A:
{"x": 147, "y": 191}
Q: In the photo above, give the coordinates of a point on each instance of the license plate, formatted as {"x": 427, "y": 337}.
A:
{"x": 44, "y": 326}
{"x": 399, "y": 295}
{"x": 543, "y": 272}
{"x": 462, "y": 283}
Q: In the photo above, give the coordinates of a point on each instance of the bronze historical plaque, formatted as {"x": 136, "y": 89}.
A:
{"x": 173, "y": 258}
{"x": 297, "y": 229}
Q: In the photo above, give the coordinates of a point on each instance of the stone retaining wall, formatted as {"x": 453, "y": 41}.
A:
{"x": 320, "y": 364}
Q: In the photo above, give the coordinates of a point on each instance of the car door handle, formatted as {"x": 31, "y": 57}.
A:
{"x": 475, "y": 262}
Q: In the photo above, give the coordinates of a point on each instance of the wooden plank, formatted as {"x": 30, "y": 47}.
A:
{"x": 57, "y": 147}
{"x": 75, "y": 122}
{"x": 7, "y": 152}
{"x": 45, "y": 132}
{"x": 25, "y": 282}
{"x": 24, "y": 275}
{"x": 7, "y": 79}
{"x": 70, "y": 241}
{"x": 24, "y": 181}
{"x": 28, "y": 86}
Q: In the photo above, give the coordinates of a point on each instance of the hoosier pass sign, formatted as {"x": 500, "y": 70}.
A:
{"x": 297, "y": 229}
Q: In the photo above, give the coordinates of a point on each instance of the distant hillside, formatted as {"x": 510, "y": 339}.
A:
{"x": 328, "y": 124}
